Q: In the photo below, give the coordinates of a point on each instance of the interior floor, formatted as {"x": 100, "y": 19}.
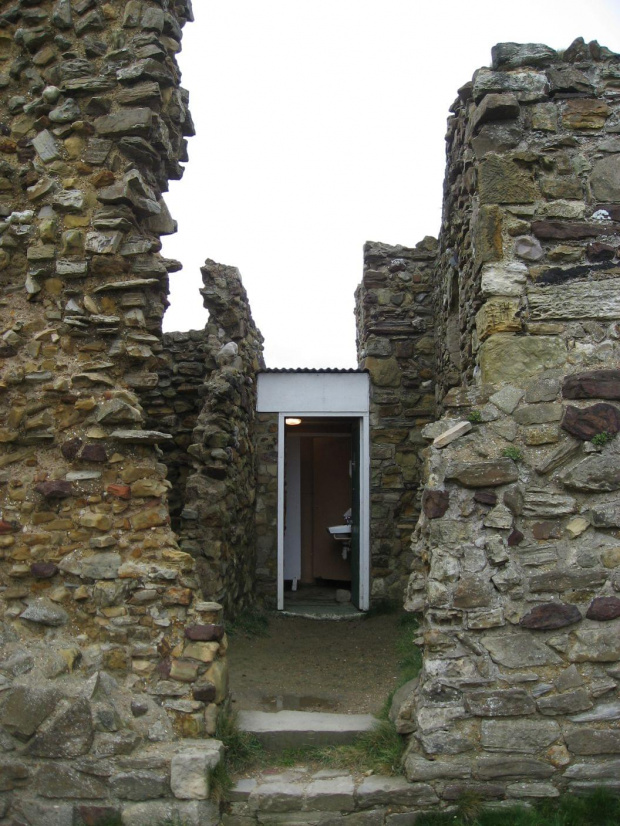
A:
{"x": 318, "y": 601}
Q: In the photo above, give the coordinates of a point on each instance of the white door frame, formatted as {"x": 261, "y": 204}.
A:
{"x": 364, "y": 497}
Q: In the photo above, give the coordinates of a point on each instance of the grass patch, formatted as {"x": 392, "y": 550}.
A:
{"x": 242, "y": 750}
{"x": 600, "y": 808}
{"x": 409, "y": 654}
{"x": 250, "y": 623}
{"x": 379, "y": 750}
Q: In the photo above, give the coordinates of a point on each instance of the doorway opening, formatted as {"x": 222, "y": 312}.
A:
{"x": 321, "y": 542}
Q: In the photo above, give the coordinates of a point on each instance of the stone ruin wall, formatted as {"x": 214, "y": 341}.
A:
{"x": 517, "y": 551}
{"x": 110, "y": 650}
{"x": 218, "y": 519}
{"x": 112, "y": 646}
{"x": 395, "y": 343}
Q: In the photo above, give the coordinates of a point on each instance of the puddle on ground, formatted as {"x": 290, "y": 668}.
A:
{"x": 292, "y": 702}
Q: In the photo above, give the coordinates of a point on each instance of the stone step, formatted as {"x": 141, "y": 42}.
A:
{"x": 325, "y": 798}
{"x": 297, "y": 729}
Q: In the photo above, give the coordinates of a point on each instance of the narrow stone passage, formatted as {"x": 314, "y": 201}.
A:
{"x": 309, "y": 665}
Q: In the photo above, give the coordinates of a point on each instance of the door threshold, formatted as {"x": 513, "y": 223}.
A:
{"x": 321, "y": 611}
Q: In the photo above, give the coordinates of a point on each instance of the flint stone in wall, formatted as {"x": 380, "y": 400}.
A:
{"x": 550, "y": 616}
{"x": 521, "y": 736}
{"x": 592, "y": 384}
{"x": 26, "y": 707}
{"x": 604, "y": 609}
{"x": 593, "y": 741}
{"x": 435, "y": 503}
{"x": 506, "y": 358}
{"x": 584, "y": 423}
{"x": 519, "y": 651}
{"x": 483, "y": 474}
{"x": 589, "y": 299}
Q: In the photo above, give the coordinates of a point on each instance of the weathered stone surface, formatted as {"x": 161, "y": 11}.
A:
{"x": 498, "y": 315}
{"x": 595, "y": 644}
{"x": 593, "y": 741}
{"x": 512, "y": 702}
{"x": 549, "y": 616}
{"x": 515, "y": 55}
{"x": 490, "y": 768}
{"x": 505, "y": 358}
{"x": 520, "y": 736}
{"x": 190, "y": 770}
{"x": 435, "y": 503}
{"x": 418, "y": 768}
{"x": 586, "y": 422}
{"x": 504, "y": 278}
{"x": 605, "y": 179}
{"x": 24, "y": 708}
{"x": 565, "y": 230}
{"x": 592, "y": 384}
{"x": 44, "y": 612}
{"x": 484, "y": 474}
{"x": 603, "y": 609}
{"x": 139, "y": 785}
{"x": 515, "y": 651}
{"x": 55, "y": 489}
{"x": 600, "y": 472}
{"x": 394, "y": 791}
{"x": 574, "y": 301}
{"x": 526, "y": 86}
{"x": 570, "y": 702}
{"x": 503, "y": 181}
{"x": 69, "y": 733}
{"x": 544, "y": 503}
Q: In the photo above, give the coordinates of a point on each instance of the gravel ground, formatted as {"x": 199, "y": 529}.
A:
{"x": 310, "y": 665}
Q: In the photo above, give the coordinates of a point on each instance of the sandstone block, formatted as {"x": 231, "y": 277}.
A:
{"x": 505, "y": 358}
{"x": 483, "y": 474}
{"x": 503, "y": 181}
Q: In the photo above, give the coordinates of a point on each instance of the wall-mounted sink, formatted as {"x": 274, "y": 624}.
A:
{"x": 341, "y": 532}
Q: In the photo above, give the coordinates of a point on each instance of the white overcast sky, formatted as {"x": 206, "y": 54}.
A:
{"x": 320, "y": 125}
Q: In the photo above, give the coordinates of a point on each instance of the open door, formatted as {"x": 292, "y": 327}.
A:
{"x": 355, "y": 512}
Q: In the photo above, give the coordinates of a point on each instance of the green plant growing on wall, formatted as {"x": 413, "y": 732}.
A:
{"x": 600, "y": 439}
{"x": 474, "y": 416}
{"x": 513, "y": 453}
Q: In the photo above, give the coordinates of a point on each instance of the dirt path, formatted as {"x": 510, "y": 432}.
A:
{"x": 310, "y": 665}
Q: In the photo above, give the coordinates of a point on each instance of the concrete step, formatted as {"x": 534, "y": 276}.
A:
{"x": 297, "y": 729}
{"x": 325, "y": 798}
